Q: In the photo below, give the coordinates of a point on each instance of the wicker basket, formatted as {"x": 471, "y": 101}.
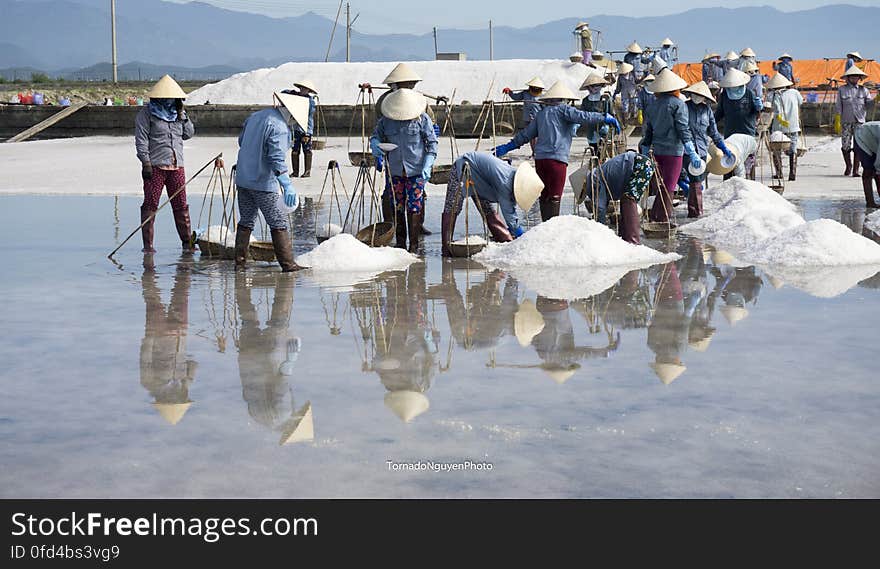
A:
{"x": 440, "y": 174}
{"x": 377, "y": 234}
{"x": 262, "y": 251}
{"x": 465, "y": 249}
{"x": 258, "y": 250}
{"x": 779, "y": 145}
{"x": 357, "y": 157}
{"x": 658, "y": 229}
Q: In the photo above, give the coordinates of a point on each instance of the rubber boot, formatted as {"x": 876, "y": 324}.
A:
{"x": 498, "y": 227}
{"x": 284, "y": 250}
{"x": 777, "y": 166}
{"x": 414, "y": 220}
{"x": 848, "y": 161}
{"x": 294, "y": 164}
{"x": 447, "y": 223}
{"x": 387, "y": 208}
{"x": 856, "y": 163}
{"x": 868, "y": 186}
{"x": 400, "y": 219}
{"x": 549, "y": 208}
{"x": 307, "y": 166}
{"x": 148, "y": 229}
{"x": 629, "y": 221}
{"x": 695, "y": 199}
{"x": 242, "y": 242}
{"x": 425, "y": 230}
{"x": 792, "y": 168}
{"x": 184, "y": 229}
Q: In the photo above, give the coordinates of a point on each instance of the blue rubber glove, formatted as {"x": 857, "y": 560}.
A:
{"x": 692, "y": 154}
{"x": 374, "y": 147}
{"x": 437, "y": 130}
{"x": 504, "y": 149}
{"x": 723, "y": 148}
{"x": 603, "y": 130}
{"x": 379, "y": 162}
{"x": 517, "y": 231}
{"x": 609, "y": 120}
{"x": 291, "y": 200}
{"x": 683, "y": 184}
{"x": 429, "y": 164}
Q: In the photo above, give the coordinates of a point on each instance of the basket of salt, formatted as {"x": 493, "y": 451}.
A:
{"x": 470, "y": 245}
{"x": 357, "y": 157}
{"x": 377, "y": 234}
{"x": 658, "y": 229}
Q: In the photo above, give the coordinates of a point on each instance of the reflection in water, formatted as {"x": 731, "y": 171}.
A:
{"x": 267, "y": 355}
{"x": 166, "y": 371}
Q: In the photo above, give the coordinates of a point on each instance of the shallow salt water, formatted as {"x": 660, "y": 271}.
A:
{"x": 178, "y": 377}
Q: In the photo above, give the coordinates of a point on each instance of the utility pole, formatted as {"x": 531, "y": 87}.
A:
{"x": 491, "y": 50}
{"x": 435, "y": 43}
{"x": 113, "y": 33}
{"x": 347, "y": 32}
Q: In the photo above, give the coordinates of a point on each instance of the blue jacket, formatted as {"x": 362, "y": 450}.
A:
{"x": 555, "y": 127}
{"x": 668, "y": 55}
{"x": 530, "y": 109}
{"x": 756, "y": 85}
{"x": 646, "y": 99}
{"x": 262, "y": 151}
{"x": 415, "y": 139}
{"x": 493, "y": 180}
{"x": 602, "y": 106}
{"x": 740, "y": 117}
{"x": 638, "y": 61}
{"x": 626, "y": 86}
{"x": 610, "y": 178}
{"x": 712, "y": 71}
{"x": 666, "y": 126}
{"x": 701, "y": 121}
{"x": 785, "y": 69}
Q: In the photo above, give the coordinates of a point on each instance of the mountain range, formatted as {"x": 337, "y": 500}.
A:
{"x": 65, "y": 36}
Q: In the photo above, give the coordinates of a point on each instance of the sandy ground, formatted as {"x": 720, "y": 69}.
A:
{"x": 108, "y": 166}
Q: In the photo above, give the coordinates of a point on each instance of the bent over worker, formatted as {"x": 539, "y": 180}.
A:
{"x": 494, "y": 182}
{"x": 554, "y": 129}
{"x": 262, "y": 166}
{"x": 867, "y": 143}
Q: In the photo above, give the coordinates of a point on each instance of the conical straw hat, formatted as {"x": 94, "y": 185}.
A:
{"x": 667, "y": 81}
{"x": 751, "y": 67}
{"x": 166, "y": 88}
{"x": 783, "y": 56}
{"x": 527, "y": 186}
{"x": 778, "y": 81}
{"x": 307, "y": 84}
{"x": 297, "y": 106}
{"x": 747, "y": 52}
{"x": 581, "y": 25}
{"x": 667, "y": 41}
{"x": 855, "y": 54}
{"x": 703, "y": 344}
{"x": 402, "y": 73}
{"x": 720, "y": 164}
{"x": 700, "y": 88}
{"x": 734, "y": 78}
{"x": 536, "y": 82}
{"x": 710, "y": 56}
{"x": 649, "y": 78}
{"x": 527, "y": 323}
{"x": 634, "y": 47}
{"x": 854, "y": 71}
{"x": 559, "y": 91}
{"x": 624, "y": 68}
{"x": 558, "y": 375}
{"x": 576, "y": 56}
{"x": 721, "y": 257}
{"x": 593, "y": 79}
{"x": 404, "y": 105}
{"x": 406, "y": 404}
{"x": 300, "y": 428}
{"x": 733, "y": 314}
{"x": 172, "y": 412}
{"x": 731, "y": 56}
{"x": 668, "y": 372}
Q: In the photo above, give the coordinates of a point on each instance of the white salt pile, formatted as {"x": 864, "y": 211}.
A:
{"x": 337, "y": 83}
{"x": 571, "y": 241}
{"x": 872, "y": 222}
{"x": 470, "y": 240}
{"x": 345, "y": 253}
{"x": 822, "y": 242}
{"x": 328, "y": 230}
{"x": 577, "y": 258}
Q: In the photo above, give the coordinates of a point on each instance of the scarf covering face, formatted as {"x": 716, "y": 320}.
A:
{"x": 735, "y": 93}
{"x": 697, "y": 99}
{"x": 164, "y": 109}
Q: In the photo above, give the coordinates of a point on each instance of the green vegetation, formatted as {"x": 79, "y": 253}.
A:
{"x": 39, "y": 78}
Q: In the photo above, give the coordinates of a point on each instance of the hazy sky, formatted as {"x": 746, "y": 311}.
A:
{"x": 382, "y": 16}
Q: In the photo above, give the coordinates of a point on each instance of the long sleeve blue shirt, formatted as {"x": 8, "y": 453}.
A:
{"x": 555, "y": 127}
{"x": 415, "y": 139}
{"x": 530, "y": 108}
{"x": 666, "y": 126}
{"x": 638, "y": 61}
{"x": 646, "y": 99}
{"x": 262, "y": 151}
{"x": 740, "y": 117}
{"x": 493, "y": 180}
{"x": 701, "y": 121}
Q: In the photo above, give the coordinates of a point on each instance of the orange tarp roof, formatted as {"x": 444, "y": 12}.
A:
{"x": 811, "y": 72}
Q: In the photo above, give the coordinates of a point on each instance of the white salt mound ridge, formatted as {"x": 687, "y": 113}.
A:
{"x": 337, "y": 83}
{"x": 823, "y": 242}
{"x": 328, "y": 230}
{"x": 345, "y": 253}
{"x": 571, "y": 241}
{"x": 872, "y": 222}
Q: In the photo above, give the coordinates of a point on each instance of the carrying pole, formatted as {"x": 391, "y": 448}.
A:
{"x": 216, "y": 161}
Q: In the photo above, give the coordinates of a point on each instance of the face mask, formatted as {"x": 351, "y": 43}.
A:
{"x": 698, "y": 99}
{"x": 595, "y": 95}
{"x": 735, "y": 93}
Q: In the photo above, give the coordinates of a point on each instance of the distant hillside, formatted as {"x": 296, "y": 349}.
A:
{"x": 70, "y": 34}
{"x": 140, "y": 71}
